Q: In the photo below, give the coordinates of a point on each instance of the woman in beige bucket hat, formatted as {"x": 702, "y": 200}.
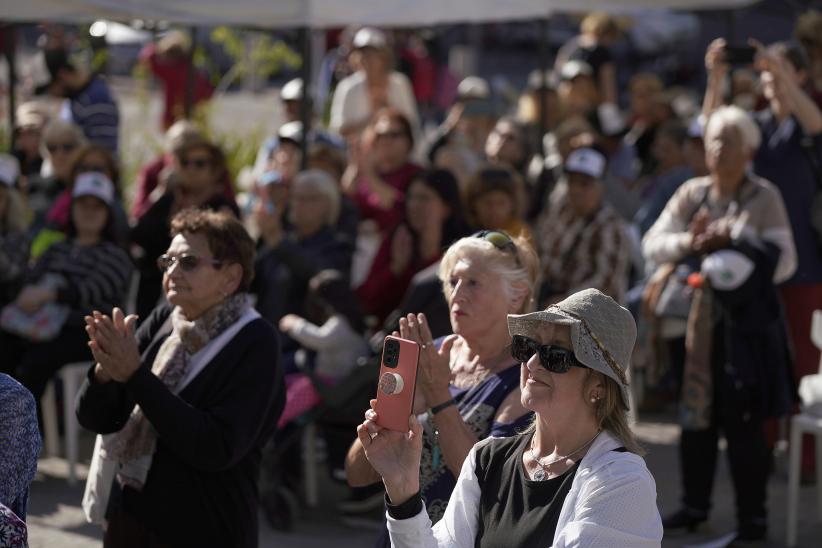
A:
{"x": 575, "y": 478}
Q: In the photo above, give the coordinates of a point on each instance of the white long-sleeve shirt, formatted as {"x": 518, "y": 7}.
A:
{"x": 351, "y": 104}
{"x": 759, "y": 212}
{"x": 612, "y": 502}
{"x": 337, "y": 345}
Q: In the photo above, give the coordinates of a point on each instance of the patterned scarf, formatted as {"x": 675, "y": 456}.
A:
{"x": 697, "y": 381}
{"x": 133, "y": 446}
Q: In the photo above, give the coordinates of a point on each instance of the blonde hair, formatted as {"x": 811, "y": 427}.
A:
{"x": 610, "y": 412}
{"x": 599, "y": 24}
{"x": 57, "y": 129}
{"x": 519, "y": 274}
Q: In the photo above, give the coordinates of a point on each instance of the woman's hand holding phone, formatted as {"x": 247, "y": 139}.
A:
{"x": 394, "y": 455}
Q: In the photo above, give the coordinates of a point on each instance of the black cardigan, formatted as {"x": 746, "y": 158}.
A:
{"x": 201, "y": 489}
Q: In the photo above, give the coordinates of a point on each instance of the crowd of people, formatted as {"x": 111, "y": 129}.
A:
{"x": 245, "y": 304}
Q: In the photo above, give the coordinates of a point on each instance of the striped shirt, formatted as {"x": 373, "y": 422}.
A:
{"x": 14, "y": 253}
{"x": 97, "y": 277}
{"x": 578, "y": 253}
{"x": 94, "y": 110}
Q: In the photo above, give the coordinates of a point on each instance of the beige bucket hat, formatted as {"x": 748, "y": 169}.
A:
{"x": 603, "y": 333}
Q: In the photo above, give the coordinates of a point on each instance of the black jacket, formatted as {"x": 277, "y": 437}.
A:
{"x": 201, "y": 489}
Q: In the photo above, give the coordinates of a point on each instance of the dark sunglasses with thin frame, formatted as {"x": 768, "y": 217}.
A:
{"x": 553, "y": 358}
{"x": 500, "y": 240}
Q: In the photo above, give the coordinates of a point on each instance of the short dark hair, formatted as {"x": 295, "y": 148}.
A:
{"x": 227, "y": 238}
{"x": 793, "y": 52}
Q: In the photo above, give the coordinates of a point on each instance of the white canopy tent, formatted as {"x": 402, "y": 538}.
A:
{"x": 319, "y": 14}
{"x": 326, "y": 13}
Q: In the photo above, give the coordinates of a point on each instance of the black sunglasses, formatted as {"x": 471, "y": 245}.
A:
{"x": 553, "y": 358}
{"x": 196, "y": 164}
{"x": 65, "y": 147}
{"x": 188, "y": 263}
{"x": 500, "y": 240}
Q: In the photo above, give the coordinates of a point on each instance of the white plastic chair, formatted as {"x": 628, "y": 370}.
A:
{"x": 804, "y": 423}
{"x": 71, "y": 375}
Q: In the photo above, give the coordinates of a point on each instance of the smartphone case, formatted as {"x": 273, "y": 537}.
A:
{"x": 396, "y": 385}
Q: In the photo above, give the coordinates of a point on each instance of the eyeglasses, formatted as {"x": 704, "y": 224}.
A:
{"x": 390, "y": 135}
{"x": 92, "y": 168}
{"x": 188, "y": 263}
{"x": 64, "y": 147}
{"x": 197, "y": 163}
{"x": 553, "y": 358}
{"x": 500, "y": 240}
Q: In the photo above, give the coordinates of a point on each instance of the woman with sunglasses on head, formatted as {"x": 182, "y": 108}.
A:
{"x": 575, "y": 478}
{"x": 467, "y": 384}
{"x": 190, "y": 398}
{"x": 195, "y": 180}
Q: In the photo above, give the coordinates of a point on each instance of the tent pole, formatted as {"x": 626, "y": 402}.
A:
{"x": 11, "y": 40}
{"x": 542, "y": 59}
{"x": 306, "y": 106}
{"x": 189, "y": 97}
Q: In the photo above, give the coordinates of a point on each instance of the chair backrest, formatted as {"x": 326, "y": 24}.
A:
{"x": 816, "y": 333}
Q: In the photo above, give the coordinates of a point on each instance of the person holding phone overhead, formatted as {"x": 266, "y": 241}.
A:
{"x": 467, "y": 386}
{"x": 575, "y": 478}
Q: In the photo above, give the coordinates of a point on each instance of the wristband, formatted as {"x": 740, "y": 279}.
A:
{"x": 444, "y": 405}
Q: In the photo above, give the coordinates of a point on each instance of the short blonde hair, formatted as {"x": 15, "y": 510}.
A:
{"x": 599, "y": 24}
{"x": 734, "y": 116}
{"x": 60, "y": 129}
{"x": 519, "y": 274}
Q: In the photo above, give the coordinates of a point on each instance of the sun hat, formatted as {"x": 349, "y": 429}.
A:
{"x": 94, "y": 184}
{"x": 587, "y": 161}
{"x": 603, "y": 333}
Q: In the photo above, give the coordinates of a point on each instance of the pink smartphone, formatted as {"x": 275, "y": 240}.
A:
{"x": 397, "y": 382}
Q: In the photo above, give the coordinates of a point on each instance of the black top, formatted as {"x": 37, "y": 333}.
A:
{"x": 201, "y": 489}
{"x": 515, "y": 510}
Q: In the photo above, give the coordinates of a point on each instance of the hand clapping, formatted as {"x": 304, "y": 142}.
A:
{"x": 113, "y": 344}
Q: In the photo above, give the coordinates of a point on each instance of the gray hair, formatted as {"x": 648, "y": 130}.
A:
{"x": 733, "y": 116}
{"x": 518, "y": 277}
{"x": 322, "y": 182}
{"x": 60, "y": 128}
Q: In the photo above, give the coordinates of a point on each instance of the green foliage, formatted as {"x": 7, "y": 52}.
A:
{"x": 267, "y": 56}
{"x": 240, "y": 147}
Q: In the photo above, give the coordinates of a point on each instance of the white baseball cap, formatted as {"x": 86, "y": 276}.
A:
{"x": 9, "y": 170}
{"x": 369, "y": 37}
{"x": 292, "y": 90}
{"x": 473, "y": 87}
{"x": 94, "y": 184}
{"x": 727, "y": 269}
{"x": 586, "y": 161}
